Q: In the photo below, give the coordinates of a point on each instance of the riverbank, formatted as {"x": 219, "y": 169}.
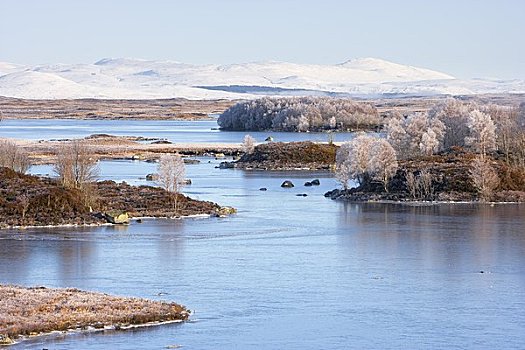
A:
{"x": 155, "y": 109}
{"x": 33, "y": 311}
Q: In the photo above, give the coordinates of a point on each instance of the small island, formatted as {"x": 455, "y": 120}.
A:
{"x": 34, "y": 311}
{"x": 76, "y": 197}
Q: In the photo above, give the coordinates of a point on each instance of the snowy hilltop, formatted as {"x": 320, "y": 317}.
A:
{"x": 124, "y": 78}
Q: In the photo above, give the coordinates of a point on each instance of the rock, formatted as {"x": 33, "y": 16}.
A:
{"x": 301, "y": 195}
{"x": 117, "y": 217}
{"x": 226, "y": 165}
{"x": 269, "y": 139}
{"x": 139, "y": 221}
{"x": 186, "y": 182}
{"x": 191, "y": 161}
{"x": 219, "y": 155}
{"x": 152, "y": 160}
{"x": 161, "y": 142}
{"x": 316, "y": 182}
{"x": 5, "y": 340}
{"x": 152, "y": 177}
{"x": 225, "y": 211}
{"x": 333, "y": 194}
{"x": 308, "y": 184}
{"x": 287, "y": 184}
{"x": 263, "y": 189}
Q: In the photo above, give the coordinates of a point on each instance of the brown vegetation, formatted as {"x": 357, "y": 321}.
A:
{"x": 33, "y": 201}
{"x": 291, "y": 155}
{"x": 31, "y": 311}
{"x": 172, "y": 109}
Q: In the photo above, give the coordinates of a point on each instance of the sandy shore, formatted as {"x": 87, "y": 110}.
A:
{"x": 43, "y": 152}
{"x": 39, "y": 310}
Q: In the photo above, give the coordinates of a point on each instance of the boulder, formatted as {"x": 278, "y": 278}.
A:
{"x": 225, "y": 211}
{"x": 191, "y": 161}
{"x": 287, "y": 184}
{"x": 269, "y": 139}
{"x": 316, "y": 182}
{"x": 263, "y": 189}
{"x": 308, "y": 184}
{"x": 117, "y": 217}
{"x": 152, "y": 177}
{"x": 301, "y": 195}
{"x": 5, "y": 340}
{"x": 226, "y": 165}
{"x": 186, "y": 182}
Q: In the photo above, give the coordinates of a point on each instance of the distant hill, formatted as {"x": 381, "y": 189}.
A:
{"x": 129, "y": 78}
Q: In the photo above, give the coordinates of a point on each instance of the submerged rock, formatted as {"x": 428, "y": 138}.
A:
{"x": 287, "y": 184}
{"x": 301, "y": 195}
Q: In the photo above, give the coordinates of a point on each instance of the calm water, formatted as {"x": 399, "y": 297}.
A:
{"x": 292, "y": 272}
{"x": 175, "y": 131}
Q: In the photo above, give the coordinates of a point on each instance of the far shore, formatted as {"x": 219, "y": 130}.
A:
{"x": 37, "y": 311}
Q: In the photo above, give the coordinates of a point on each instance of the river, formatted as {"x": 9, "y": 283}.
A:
{"x": 291, "y": 272}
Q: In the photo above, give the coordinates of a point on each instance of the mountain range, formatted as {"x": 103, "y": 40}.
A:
{"x": 126, "y": 78}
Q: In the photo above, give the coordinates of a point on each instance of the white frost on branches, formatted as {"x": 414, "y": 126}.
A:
{"x": 482, "y": 132}
{"x": 366, "y": 157}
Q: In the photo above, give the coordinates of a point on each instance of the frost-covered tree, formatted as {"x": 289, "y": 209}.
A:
{"x": 300, "y": 114}
{"x": 366, "y": 157}
{"x": 172, "y": 171}
{"x": 383, "y": 162}
{"x": 482, "y": 132}
{"x": 484, "y": 177}
{"x": 454, "y": 114}
{"x": 353, "y": 159}
{"x": 248, "y": 144}
{"x": 416, "y": 135}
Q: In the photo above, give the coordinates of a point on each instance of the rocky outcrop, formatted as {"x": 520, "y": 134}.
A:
{"x": 287, "y": 156}
{"x": 287, "y": 184}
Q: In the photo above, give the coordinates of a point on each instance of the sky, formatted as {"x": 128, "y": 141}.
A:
{"x": 464, "y": 38}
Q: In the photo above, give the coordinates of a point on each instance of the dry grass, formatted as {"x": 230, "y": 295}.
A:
{"x": 30, "y": 311}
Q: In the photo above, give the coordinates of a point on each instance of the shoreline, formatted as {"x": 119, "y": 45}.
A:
{"x": 40, "y": 311}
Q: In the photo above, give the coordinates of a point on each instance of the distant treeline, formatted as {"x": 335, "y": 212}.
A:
{"x": 300, "y": 114}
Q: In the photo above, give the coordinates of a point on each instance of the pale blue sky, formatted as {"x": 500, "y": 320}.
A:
{"x": 464, "y": 38}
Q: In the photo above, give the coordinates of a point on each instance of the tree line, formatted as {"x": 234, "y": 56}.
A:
{"x": 300, "y": 114}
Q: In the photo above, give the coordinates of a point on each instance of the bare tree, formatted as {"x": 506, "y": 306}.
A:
{"x": 172, "y": 174}
{"x": 482, "y": 132}
{"x": 14, "y": 157}
{"x": 353, "y": 159}
{"x": 425, "y": 182}
{"x": 412, "y": 184}
{"x": 383, "y": 162}
{"x": 248, "y": 144}
{"x": 484, "y": 177}
{"x": 75, "y": 165}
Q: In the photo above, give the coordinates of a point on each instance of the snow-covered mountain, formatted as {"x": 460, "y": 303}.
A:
{"x": 140, "y": 79}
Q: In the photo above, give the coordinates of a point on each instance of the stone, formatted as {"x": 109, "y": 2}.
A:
{"x": 308, "y": 184}
{"x": 191, "y": 161}
{"x": 226, "y": 165}
{"x": 316, "y": 182}
{"x": 263, "y": 189}
{"x": 117, "y": 217}
{"x": 287, "y": 184}
{"x": 152, "y": 177}
{"x": 186, "y": 182}
{"x": 5, "y": 340}
{"x": 269, "y": 139}
{"x": 301, "y": 195}
{"x": 225, "y": 211}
